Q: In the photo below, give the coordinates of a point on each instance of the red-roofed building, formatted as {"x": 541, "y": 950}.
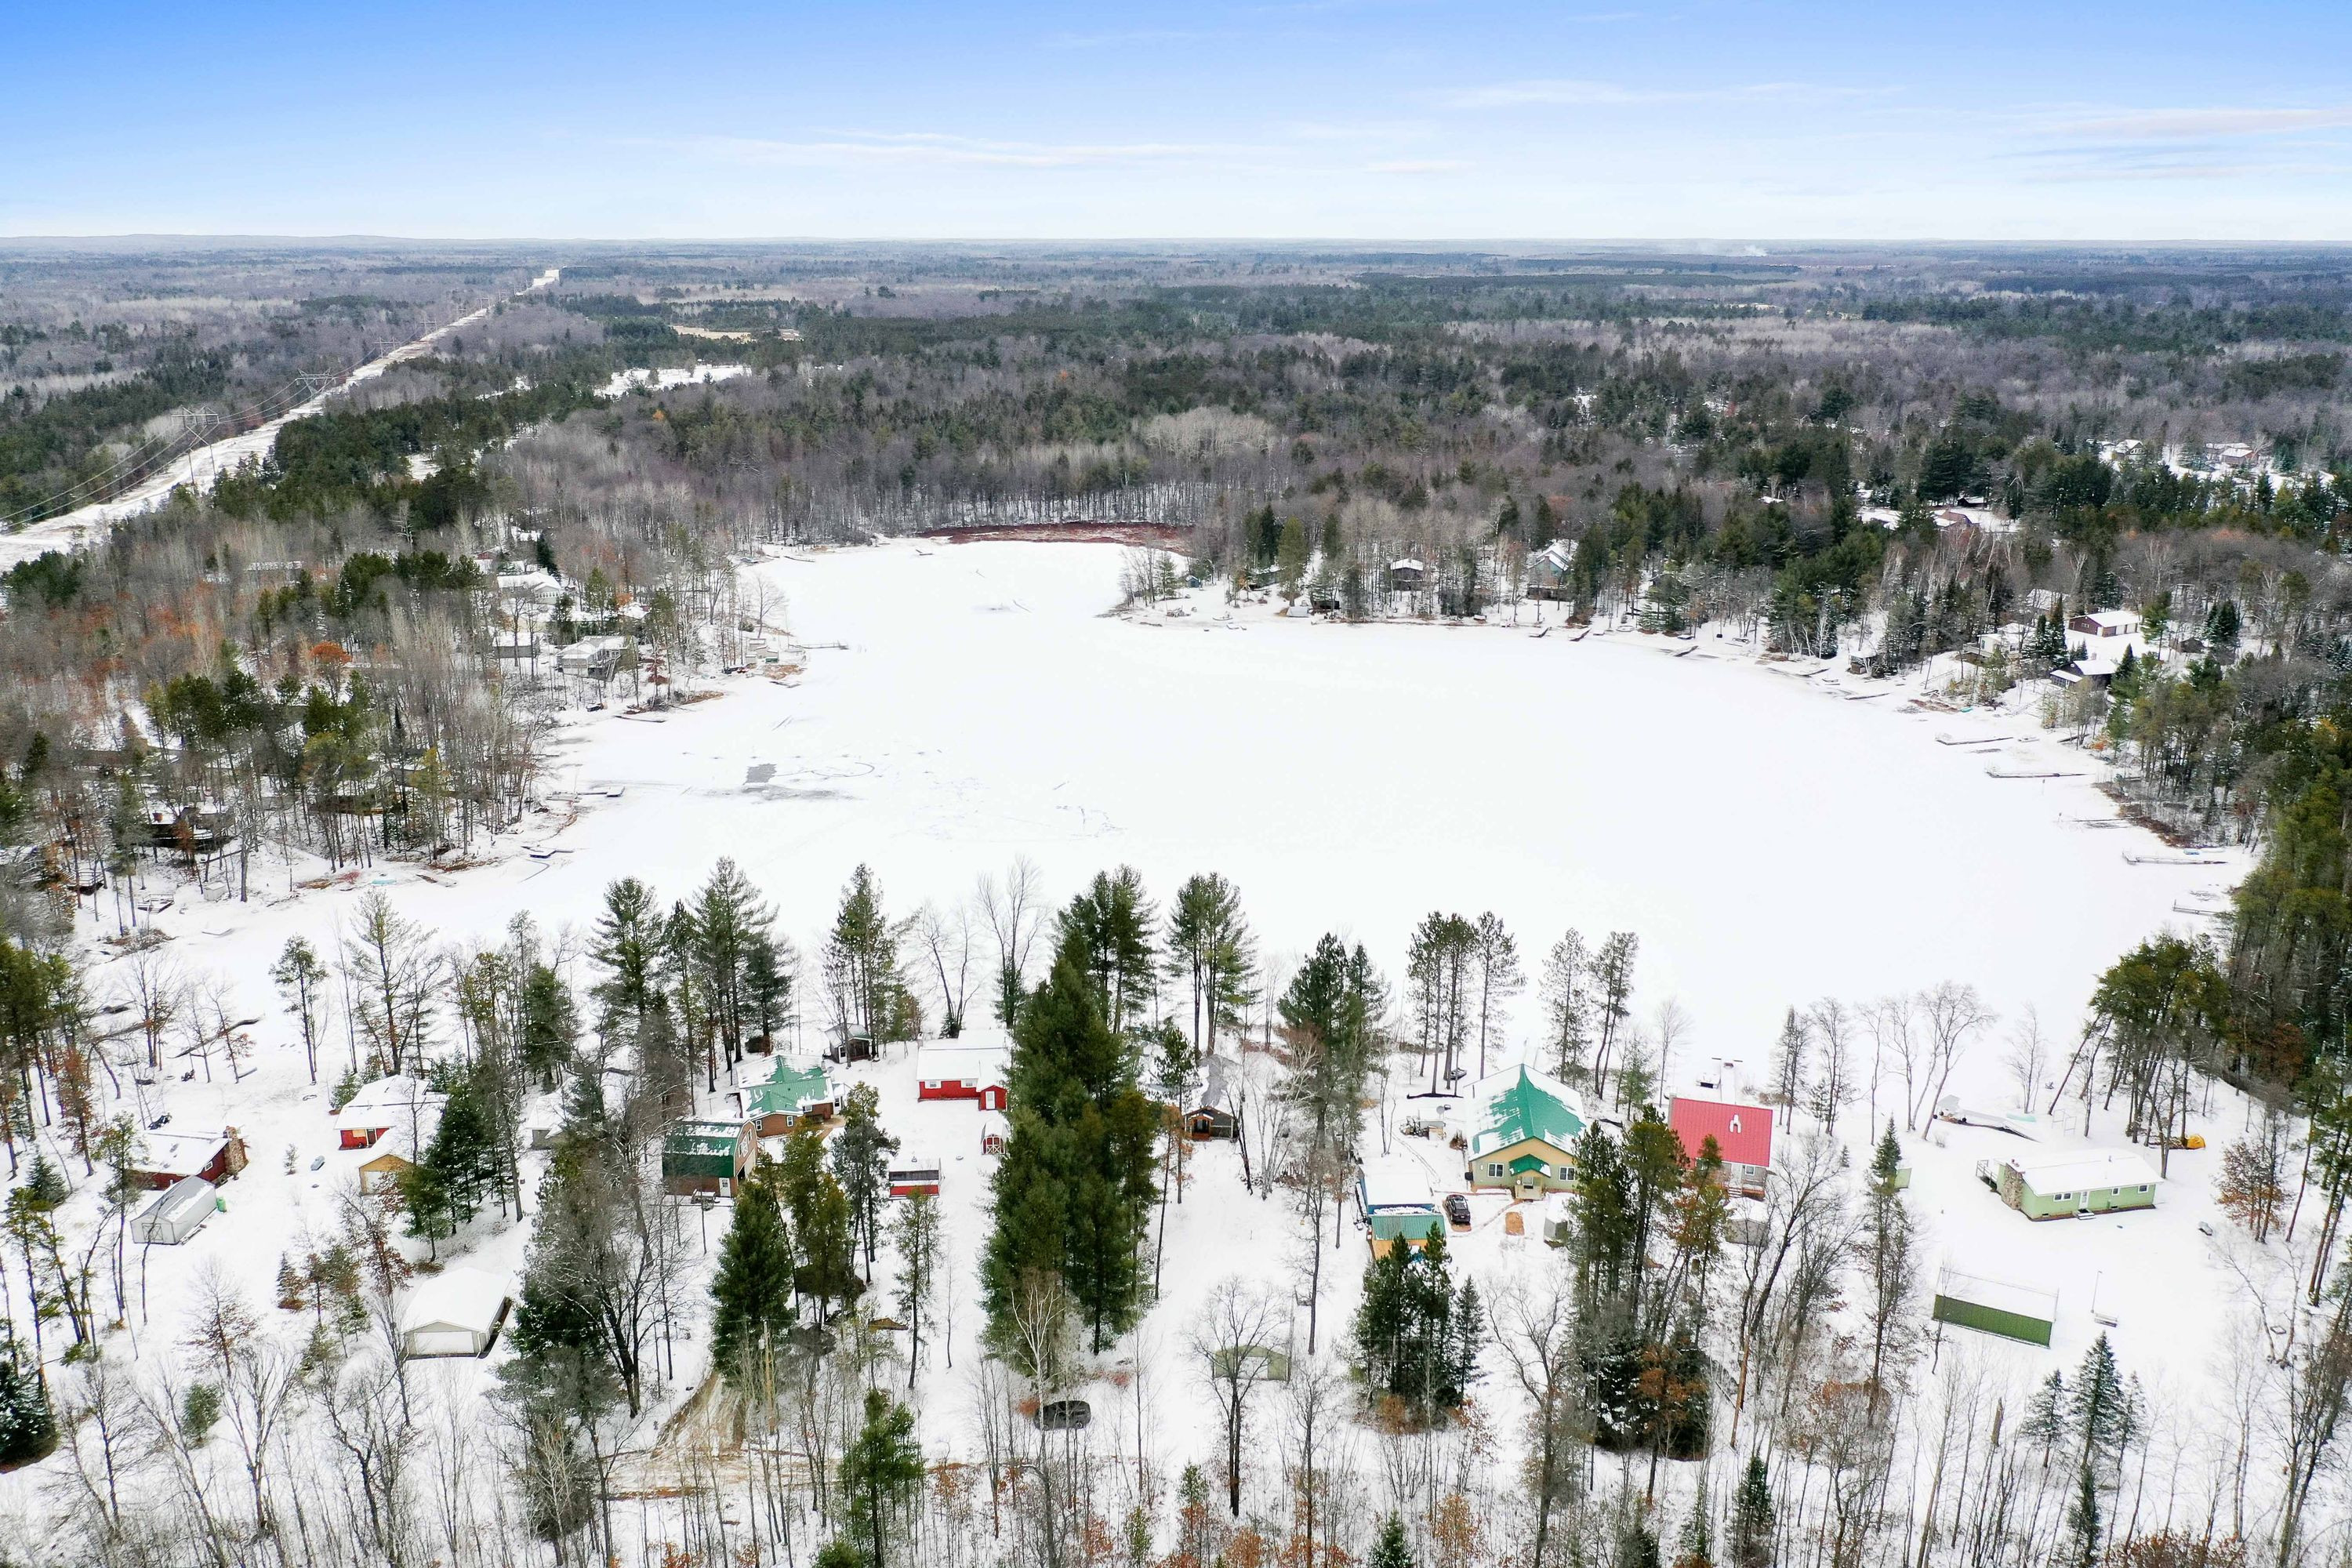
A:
{"x": 1743, "y": 1133}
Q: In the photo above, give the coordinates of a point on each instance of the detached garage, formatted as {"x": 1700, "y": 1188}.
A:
{"x": 454, "y": 1313}
{"x": 176, "y": 1215}
{"x": 1995, "y": 1307}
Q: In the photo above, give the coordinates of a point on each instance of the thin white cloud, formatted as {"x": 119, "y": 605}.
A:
{"x": 2173, "y": 124}
{"x": 1575, "y": 93}
{"x": 858, "y": 148}
{"x": 1417, "y": 166}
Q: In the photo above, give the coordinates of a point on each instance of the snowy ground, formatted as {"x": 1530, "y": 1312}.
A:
{"x": 1770, "y": 839}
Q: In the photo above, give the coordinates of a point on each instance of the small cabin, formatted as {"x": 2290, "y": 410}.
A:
{"x": 1407, "y": 575}
{"x": 399, "y": 1100}
{"x": 708, "y": 1156}
{"x": 163, "y": 1160}
{"x": 177, "y": 1214}
{"x": 974, "y": 1066}
{"x": 2071, "y": 1183}
{"x": 2106, "y": 624}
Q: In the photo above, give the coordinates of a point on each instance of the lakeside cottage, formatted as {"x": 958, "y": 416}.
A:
{"x": 1742, "y": 1133}
{"x": 1528, "y": 1126}
{"x": 401, "y": 1100}
{"x": 2071, "y": 1183}
{"x": 975, "y": 1066}
{"x": 794, "y": 1094}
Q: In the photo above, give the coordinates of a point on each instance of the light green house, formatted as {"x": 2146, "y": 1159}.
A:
{"x": 2072, "y": 1184}
{"x": 1527, "y": 1129}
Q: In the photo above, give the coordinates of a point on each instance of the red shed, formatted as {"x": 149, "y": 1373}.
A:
{"x": 1743, "y": 1132}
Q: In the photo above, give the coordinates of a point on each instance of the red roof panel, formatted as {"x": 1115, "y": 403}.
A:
{"x": 1744, "y": 1132}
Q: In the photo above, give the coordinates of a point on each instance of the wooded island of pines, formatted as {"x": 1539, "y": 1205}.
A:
{"x": 652, "y": 1101}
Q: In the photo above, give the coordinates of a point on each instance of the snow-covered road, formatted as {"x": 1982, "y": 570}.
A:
{"x": 200, "y": 465}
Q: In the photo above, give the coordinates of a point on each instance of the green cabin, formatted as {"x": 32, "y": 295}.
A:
{"x": 707, "y": 1156}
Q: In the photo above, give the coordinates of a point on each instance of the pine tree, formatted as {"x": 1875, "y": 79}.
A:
{"x": 27, "y": 1429}
{"x": 2044, "y": 1421}
{"x": 879, "y": 1474}
{"x": 626, "y": 948}
{"x": 1789, "y": 1062}
{"x": 2082, "y": 1519}
{"x": 1393, "y": 1549}
{"x": 1886, "y": 1160}
{"x": 550, "y": 1025}
{"x": 751, "y": 1292}
{"x": 1697, "y": 1547}
{"x": 916, "y": 1235}
{"x": 2097, "y": 1412}
{"x": 861, "y": 1154}
{"x": 1211, "y": 949}
{"x": 443, "y": 1190}
{"x": 1752, "y": 1518}
{"x": 1074, "y": 1186}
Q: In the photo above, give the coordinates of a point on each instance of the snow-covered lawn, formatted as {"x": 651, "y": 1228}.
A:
{"x": 1771, "y": 842}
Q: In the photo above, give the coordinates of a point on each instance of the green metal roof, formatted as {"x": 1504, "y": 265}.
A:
{"x": 788, "y": 1091}
{"x": 1523, "y": 1109}
{"x": 701, "y": 1138}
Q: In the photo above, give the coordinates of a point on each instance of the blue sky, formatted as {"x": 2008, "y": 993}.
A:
{"x": 1315, "y": 119}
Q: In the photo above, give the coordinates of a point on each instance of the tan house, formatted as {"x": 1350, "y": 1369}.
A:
{"x": 1527, "y": 1129}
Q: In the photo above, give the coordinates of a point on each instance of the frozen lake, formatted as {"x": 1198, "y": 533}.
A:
{"x": 1769, "y": 843}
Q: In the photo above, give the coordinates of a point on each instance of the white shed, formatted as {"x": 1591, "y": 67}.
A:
{"x": 456, "y": 1313}
{"x": 177, "y": 1214}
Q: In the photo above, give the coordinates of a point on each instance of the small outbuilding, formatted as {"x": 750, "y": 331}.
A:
{"x": 912, "y": 1174}
{"x": 178, "y": 1213}
{"x": 1393, "y": 1195}
{"x": 457, "y": 1312}
{"x": 1407, "y": 575}
{"x": 1213, "y": 1117}
{"x": 994, "y": 1131}
{"x": 708, "y": 1156}
{"x": 1995, "y": 1307}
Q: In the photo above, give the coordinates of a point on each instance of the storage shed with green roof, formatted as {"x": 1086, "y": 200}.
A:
{"x": 707, "y": 1156}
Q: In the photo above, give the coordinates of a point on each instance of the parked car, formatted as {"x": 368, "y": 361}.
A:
{"x": 1064, "y": 1415}
{"x": 1457, "y": 1210}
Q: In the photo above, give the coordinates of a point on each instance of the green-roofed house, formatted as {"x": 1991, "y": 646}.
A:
{"x": 1528, "y": 1127}
{"x": 793, "y": 1094}
{"x": 700, "y": 1156}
